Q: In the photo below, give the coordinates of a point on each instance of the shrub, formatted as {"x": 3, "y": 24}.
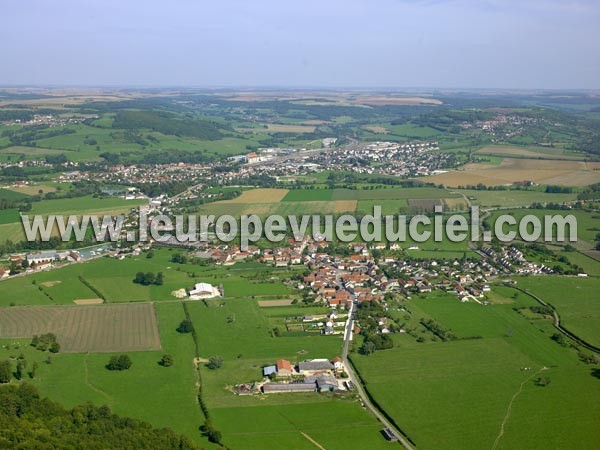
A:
{"x": 121, "y": 362}
{"x": 167, "y": 361}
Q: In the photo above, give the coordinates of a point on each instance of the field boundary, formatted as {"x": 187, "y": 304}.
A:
{"x": 377, "y": 405}
{"x": 557, "y": 323}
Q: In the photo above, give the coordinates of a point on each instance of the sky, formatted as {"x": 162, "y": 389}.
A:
{"x": 504, "y": 44}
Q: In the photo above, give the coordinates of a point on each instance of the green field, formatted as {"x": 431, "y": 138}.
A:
{"x": 575, "y": 299}
{"x": 587, "y": 222}
{"x": 239, "y": 332}
{"x": 504, "y": 198}
{"x": 113, "y": 279}
{"x": 11, "y": 227}
{"x": 84, "y": 205}
{"x": 9, "y": 216}
{"x": 311, "y": 195}
{"x": 114, "y": 140}
{"x": 589, "y": 265}
{"x": 8, "y": 194}
{"x": 428, "y": 388}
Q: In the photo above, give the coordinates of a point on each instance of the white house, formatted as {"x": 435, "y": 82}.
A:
{"x": 338, "y": 364}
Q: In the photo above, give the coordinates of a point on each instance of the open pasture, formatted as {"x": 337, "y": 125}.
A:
{"x": 32, "y": 152}
{"x": 113, "y": 279}
{"x": 106, "y": 328}
{"x": 511, "y": 197}
{"x": 7, "y": 193}
{"x": 479, "y": 381}
{"x": 33, "y": 189}
{"x": 300, "y": 425}
{"x": 587, "y": 222}
{"x": 9, "y": 216}
{"x": 575, "y": 300}
{"x": 84, "y": 205}
{"x": 284, "y": 208}
{"x": 240, "y": 332}
{"x": 309, "y": 195}
{"x": 79, "y": 206}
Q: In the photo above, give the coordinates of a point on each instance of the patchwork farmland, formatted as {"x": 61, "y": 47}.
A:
{"x": 264, "y": 202}
{"x": 106, "y": 328}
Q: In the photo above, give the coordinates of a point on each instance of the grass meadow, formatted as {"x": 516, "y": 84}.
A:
{"x": 574, "y": 299}
{"x": 428, "y": 388}
{"x": 114, "y": 280}
{"x": 239, "y": 331}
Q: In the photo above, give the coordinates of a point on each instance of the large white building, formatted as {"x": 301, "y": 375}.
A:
{"x": 204, "y": 290}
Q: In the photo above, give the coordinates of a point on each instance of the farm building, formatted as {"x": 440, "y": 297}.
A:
{"x": 314, "y": 365}
{"x": 289, "y": 387}
{"x": 269, "y": 370}
{"x": 42, "y": 257}
{"x": 284, "y": 368}
{"x": 338, "y": 364}
{"x": 324, "y": 382}
{"x": 204, "y": 290}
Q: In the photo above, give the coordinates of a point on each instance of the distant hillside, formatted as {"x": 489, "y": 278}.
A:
{"x": 167, "y": 123}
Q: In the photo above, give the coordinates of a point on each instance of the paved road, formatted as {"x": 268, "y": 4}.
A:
{"x": 354, "y": 378}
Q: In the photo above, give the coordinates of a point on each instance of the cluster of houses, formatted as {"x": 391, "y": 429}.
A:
{"x": 338, "y": 281}
{"x": 406, "y": 159}
{"x": 513, "y": 261}
{"x": 278, "y": 257}
{"x": 53, "y": 120}
{"x": 503, "y": 126}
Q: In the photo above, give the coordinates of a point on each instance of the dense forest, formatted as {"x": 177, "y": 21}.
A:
{"x": 167, "y": 123}
{"x": 28, "y": 421}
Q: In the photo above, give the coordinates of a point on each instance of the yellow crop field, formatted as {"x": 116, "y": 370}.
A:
{"x": 511, "y": 170}
{"x": 259, "y": 196}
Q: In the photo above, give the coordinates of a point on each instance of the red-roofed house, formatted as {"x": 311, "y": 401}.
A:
{"x": 284, "y": 368}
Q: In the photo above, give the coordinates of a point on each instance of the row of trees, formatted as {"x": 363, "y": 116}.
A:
{"x": 7, "y": 373}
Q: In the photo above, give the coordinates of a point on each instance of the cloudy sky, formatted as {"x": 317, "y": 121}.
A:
{"x": 306, "y": 43}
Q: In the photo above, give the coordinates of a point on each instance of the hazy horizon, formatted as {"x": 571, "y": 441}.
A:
{"x": 393, "y": 44}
